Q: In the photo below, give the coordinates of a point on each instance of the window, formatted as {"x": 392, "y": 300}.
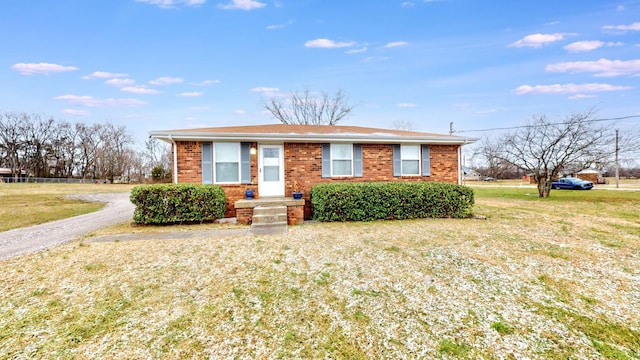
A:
{"x": 227, "y": 162}
{"x": 221, "y": 159}
{"x": 341, "y": 160}
{"x": 410, "y": 158}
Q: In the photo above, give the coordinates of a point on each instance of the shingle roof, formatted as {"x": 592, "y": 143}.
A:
{"x": 306, "y": 133}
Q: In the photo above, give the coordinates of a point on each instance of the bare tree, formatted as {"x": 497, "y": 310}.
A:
{"x": 307, "y": 108}
{"x": 545, "y": 149}
{"x": 407, "y": 125}
{"x": 113, "y": 157}
{"x": 488, "y": 154}
{"x": 12, "y": 141}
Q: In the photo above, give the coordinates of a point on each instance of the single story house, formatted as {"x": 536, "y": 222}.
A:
{"x": 592, "y": 175}
{"x": 468, "y": 174}
{"x": 274, "y": 159}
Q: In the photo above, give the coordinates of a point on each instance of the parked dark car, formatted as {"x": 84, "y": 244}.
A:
{"x": 571, "y": 183}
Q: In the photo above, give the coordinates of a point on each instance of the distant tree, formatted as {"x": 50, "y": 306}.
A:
{"x": 12, "y": 141}
{"x": 307, "y": 108}
{"x": 407, "y": 125}
{"x": 114, "y": 156}
{"x": 545, "y": 148}
{"x": 157, "y": 154}
{"x": 89, "y": 145}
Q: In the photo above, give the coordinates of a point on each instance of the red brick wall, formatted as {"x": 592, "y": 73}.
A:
{"x": 303, "y": 163}
{"x": 190, "y": 171}
{"x": 189, "y": 162}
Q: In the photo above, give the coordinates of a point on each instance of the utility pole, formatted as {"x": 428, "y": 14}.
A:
{"x": 451, "y": 128}
{"x": 617, "y": 164}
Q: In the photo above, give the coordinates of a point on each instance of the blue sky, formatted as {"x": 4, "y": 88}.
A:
{"x": 170, "y": 64}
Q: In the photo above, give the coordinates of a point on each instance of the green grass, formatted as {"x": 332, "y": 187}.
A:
{"x": 448, "y": 347}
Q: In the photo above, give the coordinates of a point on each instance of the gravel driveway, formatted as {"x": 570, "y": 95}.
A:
{"x": 33, "y": 238}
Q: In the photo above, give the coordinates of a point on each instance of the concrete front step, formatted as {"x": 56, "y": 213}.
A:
{"x": 269, "y": 210}
{"x": 269, "y": 220}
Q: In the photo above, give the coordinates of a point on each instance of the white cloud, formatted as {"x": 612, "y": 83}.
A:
{"x": 206, "y": 83}
{"x": 262, "y": 89}
{"x": 239, "y": 112}
{"x": 621, "y": 8}
{"x": 165, "y": 80}
{"x": 103, "y": 75}
{"x": 328, "y": 44}
{"x": 374, "y": 59}
{"x": 243, "y": 5}
{"x": 631, "y": 27}
{"x": 581, "y": 96}
{"x": 190, "y": 94}
{"x": 584, "y": 46}
{"x": 538, "y": 40}
{"x": 141, "y": 89}
{"x": 267, "y": 91}
{"x": 120, "y": 82}
{"x": 356, "y": 51}
{"x": 567, "y": 88}
{"x": 395, "y": 44}
{"x": 168, "y": 4}
{"x": 41, "y": 68}
{"x": 600, "y": 68}
{"x": 406, "y": 105}
{"x": 279, "y": 26}
{"x": 589, "y": 45}
{"x": 408, "y": 4}
{"x": 485, "y": 112}
{"x": 76, "y": 112}
{"x": 89, "y": 101}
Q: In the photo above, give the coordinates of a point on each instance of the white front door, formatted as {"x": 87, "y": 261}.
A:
{"x": 271, "y": 170}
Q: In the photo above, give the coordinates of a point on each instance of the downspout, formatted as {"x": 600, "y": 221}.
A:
{"x": 175, "y": 159}
{"x": 460, "y": 165}
{"x": 460, "y": 172}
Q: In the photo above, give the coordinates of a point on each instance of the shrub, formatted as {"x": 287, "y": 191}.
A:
{"x": 390, "y": 200}
{"x": 177, "y": 203}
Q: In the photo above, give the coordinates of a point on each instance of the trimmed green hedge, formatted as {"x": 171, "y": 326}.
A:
{"x": 177, "y": 203}
{"x": 390, "y": 200}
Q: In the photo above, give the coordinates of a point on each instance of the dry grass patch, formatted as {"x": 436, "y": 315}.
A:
{"x": 25, "y": 204}
{"x": 505, "y": 287}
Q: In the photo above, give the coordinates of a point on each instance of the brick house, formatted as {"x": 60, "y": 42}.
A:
{"x": 272, "y": 159}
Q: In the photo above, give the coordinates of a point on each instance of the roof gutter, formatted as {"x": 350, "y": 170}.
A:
{"x": 174, "y": 146}
{"x": 360, "y": 138}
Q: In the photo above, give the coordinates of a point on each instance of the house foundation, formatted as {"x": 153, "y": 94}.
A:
{"x": 245, "y": 208}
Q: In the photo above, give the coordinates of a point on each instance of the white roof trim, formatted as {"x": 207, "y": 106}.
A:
{"x": 379, "y": 138}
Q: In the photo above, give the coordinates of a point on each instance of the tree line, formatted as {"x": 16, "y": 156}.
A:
{"x": 39, "y": 146}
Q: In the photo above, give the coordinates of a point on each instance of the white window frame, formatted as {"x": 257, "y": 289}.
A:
{"x": 215, "y": 162}
{"x": 403, "y": 159}
{"x": 332, "y": 158}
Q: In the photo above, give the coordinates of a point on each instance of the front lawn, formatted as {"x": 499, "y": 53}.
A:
{"x": 25, "y": 204}
{"x": 539, "y": 278}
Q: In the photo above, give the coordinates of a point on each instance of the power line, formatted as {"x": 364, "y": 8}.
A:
{"x": 532, "y": 126}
